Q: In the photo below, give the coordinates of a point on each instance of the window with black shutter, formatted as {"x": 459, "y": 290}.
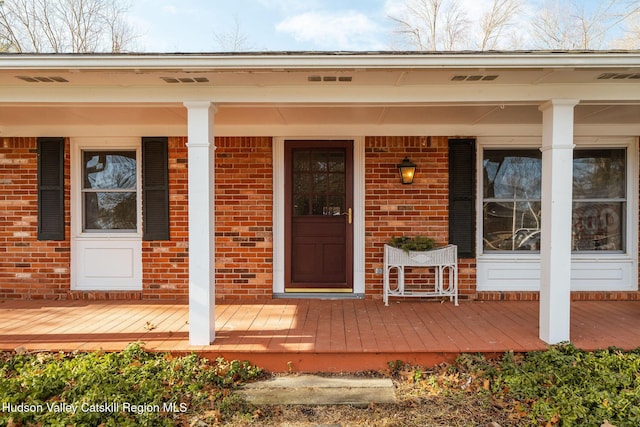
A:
{"x": 51, "y": 189}
{"x": 155, "y": 188}
{"x": 462, "y": 213}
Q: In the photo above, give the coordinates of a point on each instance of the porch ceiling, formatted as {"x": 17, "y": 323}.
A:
{"x": 396, "y": 91}
{"x": 61, "y": 115}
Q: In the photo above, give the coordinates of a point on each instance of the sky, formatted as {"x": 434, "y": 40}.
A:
{"x": 169, "y": 26}
{"x": 267, "y": 25}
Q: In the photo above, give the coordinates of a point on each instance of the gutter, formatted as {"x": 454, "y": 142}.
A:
{"x": 284, "y": 61}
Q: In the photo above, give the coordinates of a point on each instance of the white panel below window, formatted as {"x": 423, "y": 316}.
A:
{"x": 107, "y": 264}
{"x": 587, "y": 274}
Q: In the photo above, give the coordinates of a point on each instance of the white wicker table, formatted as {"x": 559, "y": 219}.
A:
{"x": 444, "y": 258}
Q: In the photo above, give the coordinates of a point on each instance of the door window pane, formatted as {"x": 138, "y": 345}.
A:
{"x": 110, "y": 211}
{"x": 319, "y": 181}
{"x": 109, "y": 190}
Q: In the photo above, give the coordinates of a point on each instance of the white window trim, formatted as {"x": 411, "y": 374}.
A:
{"x": 601, "y": 271}
{"x": 78, "y": 145}
{"x": 90, "y": 269}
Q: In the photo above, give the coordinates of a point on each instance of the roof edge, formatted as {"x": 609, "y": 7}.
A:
{"x": 324, "y": 60}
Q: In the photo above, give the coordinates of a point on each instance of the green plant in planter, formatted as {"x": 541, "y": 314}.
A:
{"x": 417, "y": 243}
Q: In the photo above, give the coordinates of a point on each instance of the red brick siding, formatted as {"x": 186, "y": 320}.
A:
{"x": 243, "y": 192}
{"x": 394, "y": 209}
{"x": 165, "y": 264}
{"x": 244, "y": 218}
{"x": 28, "y": 268}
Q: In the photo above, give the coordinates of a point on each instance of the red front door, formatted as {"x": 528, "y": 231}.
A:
{"x": 318, "y": 216}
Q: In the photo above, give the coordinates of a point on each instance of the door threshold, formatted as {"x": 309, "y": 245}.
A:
{"x": 318, "y": 295}
{"x": 318, "y": 290}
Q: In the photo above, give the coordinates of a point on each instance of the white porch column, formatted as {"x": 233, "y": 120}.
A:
{"x": 555, "y": 250}
{"x": 201, "y": 163}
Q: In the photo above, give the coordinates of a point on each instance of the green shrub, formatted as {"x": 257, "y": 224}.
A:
{"x": 417, "y": 243}
{"x": 133, "y": 387}
{"x": 566, "y": 386}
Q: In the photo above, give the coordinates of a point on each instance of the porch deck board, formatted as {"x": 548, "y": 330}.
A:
{"x": 314, "y": 334}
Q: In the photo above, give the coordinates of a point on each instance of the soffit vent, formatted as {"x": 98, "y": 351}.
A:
{"x": 619, "y": 76}
{"x": 49, "y": 79}
{"x": 343, "y": 79}
{"x": 174, "y": 80}
{"x": 474, "y": 78}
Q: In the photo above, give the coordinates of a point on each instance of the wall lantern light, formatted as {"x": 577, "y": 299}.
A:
{"x": 407, "y": 171}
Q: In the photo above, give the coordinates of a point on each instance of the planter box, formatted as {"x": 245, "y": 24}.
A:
{"x": 444, "y": 258}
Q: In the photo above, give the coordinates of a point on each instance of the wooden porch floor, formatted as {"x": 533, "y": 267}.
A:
{"x": 314, "y": 335}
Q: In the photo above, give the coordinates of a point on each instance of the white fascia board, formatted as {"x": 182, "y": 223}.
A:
{"x": 382, "y": 95}
{"x": 337, "y": 60}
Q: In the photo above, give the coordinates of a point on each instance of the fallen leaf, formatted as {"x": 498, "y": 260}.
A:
{"x": 149, "y": 326}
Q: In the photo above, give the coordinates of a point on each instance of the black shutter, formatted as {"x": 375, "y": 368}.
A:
{"x": 462, "y": 213}
{"x": 50, "y": 188}
{"x": 155, "y": 188}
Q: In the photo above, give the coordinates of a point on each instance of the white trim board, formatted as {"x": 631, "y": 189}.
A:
{"x": 358, "y": 211}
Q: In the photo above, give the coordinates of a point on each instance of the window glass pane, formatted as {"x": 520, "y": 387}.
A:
{"x": 598, "y": 226}
{"x": 509, "y": 226}
{"x": 336, "y": 161}
{"x": 599, "y": 174}
{"x": 319, "y": 162}
{"x": 319, "y": 181}
{"x": 337, "y": 183}
{"x": 512, "y": 192}
{"x": 320, "y": 184}
{"x": 109, "y": 170}
{"x": 301, "y": 183}
{"x": 301, "y": 205}
{"x": 336, "y": 205}
{"x": 512, "y": 174}
{"x": 301, "y": 160}
{"x": 110, "y": 211}
{"x": 318, "y": 204}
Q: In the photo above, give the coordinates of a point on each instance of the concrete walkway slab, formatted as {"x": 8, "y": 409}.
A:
{"x": 317, "y": 390}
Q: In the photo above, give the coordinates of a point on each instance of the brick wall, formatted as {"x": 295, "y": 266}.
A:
{"x": 394, "y": 209}
{"x": 243, "y": 192}
{"x": 165, "y": 264}
{"x": 244, "y": 200}
{"x": 28, "y": 268}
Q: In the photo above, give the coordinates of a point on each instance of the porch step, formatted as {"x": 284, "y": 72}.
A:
{"x": 317, "y": 390}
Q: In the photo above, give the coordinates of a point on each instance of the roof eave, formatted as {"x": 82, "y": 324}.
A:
{"x": 323, "y": 60}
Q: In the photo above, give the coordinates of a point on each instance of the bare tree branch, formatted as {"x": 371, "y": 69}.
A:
{"x": 496, "y": 20}
{"x": 431, "y": 24}
{"x": 447, "y": 25}
{"x": 559, "y": 25}
{"x": 65, "y": 25}
{"x": 233, "y": 40}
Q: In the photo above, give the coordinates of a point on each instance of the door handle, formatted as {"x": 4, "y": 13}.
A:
{"x": 349, "y": 214}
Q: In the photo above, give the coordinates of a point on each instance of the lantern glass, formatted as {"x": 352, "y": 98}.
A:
{"x": 407, "y": 171}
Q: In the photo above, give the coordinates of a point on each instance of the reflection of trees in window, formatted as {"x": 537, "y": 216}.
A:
{"x": 599, "y": 199}
{"x": 109, "y": 190}
{"x": 512, "y": 192}
{"x": 319, "y": 181}
{"x": 511, "y": 205}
